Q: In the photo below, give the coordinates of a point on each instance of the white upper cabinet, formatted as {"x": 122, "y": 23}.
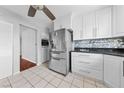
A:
{"x": 63, "y": 22}
{"x": 88, "y": 31}
{"x": 77, "y": 26}
{"x": 97, "y": 24}
{"x": 118, "y": 20}
{"x": 103, "y": 23}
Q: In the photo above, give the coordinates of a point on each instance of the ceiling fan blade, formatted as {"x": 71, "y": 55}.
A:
{"x": 31, "y": 11}
{"x": 48, "y": 13}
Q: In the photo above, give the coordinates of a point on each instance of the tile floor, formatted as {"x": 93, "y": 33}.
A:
{"x": 42, "y": 77}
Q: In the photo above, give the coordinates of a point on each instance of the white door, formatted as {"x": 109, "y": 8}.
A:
{"x": 28, "y": 44}
{"x": 112, "y": 70}
{"x": 6, "y": 49}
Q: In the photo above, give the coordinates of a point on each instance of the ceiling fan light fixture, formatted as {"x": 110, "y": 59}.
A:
{"x": 33, "y": 8}
{"x": 38, "y": 7}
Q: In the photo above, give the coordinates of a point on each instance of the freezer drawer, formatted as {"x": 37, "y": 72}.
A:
{"x": 58, "y": 65}
{"x": 60, "y": 55}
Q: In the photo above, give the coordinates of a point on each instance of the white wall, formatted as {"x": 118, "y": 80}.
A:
{"x": 5, "y": 15}
{"x": 63, "y": 22}
{"x": 6, "y": 49}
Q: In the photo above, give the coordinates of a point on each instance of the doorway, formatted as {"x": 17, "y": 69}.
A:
{"x": 28, "y": 46}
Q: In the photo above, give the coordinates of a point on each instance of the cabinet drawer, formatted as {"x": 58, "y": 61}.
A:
{"x": 96, "y": 65}
{"x": 88, "y": 65}
{"x": 79, "y": 54}
{"x": 88, "y": 72}
{"x": 58, "y": 65}
{"x": 87, "y": 56}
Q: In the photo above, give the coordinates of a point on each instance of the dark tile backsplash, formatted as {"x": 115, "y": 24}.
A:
{"x": 100, "y": 43}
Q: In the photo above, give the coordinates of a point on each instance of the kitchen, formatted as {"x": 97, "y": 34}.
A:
{"x": 98, "y": 44}
{"x": 86, "y": 47}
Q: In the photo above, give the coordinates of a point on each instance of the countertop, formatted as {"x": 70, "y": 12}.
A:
{"x": 103, "y": 52}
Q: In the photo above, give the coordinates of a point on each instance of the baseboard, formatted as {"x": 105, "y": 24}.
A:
{"x": 16, "y": 73}
{"x": 29, "y": 60}
{"x": 38, "y": 64}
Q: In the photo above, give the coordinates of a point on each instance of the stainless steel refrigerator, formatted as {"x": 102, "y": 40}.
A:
{"x": 61, "y": 46}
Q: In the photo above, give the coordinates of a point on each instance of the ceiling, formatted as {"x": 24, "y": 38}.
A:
{"x": 57, "y": 10}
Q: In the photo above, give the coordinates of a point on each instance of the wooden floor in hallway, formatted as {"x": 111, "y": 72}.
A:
{"x": 25, "y": 64}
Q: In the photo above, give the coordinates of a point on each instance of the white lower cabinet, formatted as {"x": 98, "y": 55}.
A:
{"x": 108, "y": 68}
{"x": 112, "y": 70}
{"x": 88, "y": 64}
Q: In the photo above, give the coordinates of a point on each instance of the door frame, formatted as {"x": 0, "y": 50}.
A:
{"x": 36, "y": 53}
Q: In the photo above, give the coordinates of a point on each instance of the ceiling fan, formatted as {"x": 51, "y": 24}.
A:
{"x": 33, "y": 8}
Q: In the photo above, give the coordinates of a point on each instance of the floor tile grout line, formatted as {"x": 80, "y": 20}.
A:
{"x": 45, "y": 85}
{"x": 24, "y": 83}
{"x": 41, "y": 80}
{"x": 9, "y": 82}
{"x": 95, "y": 84}
{"x": 59, "y": 83}
{"x": 83, "y": 82}
{"x": 77, "y": 79}
{"x": 50, "y": 81}
{"x": 29, "y": 82}
{"x": 13, "y": 82}
{"x": 51, "y": 84}
{"x": 72, "y": 82}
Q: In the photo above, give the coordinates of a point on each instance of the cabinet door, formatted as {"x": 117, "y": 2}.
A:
{"x": 112, "y": 71}
{"x": 77, "y": 27}
{"x": 89, "y": 26}
{"x": 118, "y": 19}
{"x": 103, "y": 23}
